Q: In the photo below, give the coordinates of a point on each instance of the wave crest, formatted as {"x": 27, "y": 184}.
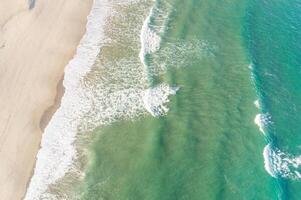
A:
{"x": 280, "y": 164}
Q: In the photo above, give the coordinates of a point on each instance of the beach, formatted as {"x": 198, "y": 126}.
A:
{"x": 35, "y": 46}
{"x": 150, "y": 99}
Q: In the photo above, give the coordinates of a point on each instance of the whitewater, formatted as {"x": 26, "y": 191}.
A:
{"x": 57, "y": 154}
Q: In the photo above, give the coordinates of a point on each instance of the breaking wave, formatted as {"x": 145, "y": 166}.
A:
{"x": 57, "y": 152}
{"x": 280, "y": 164}
{"x": 277, "y": 163}
{"x": 99, "y": 89}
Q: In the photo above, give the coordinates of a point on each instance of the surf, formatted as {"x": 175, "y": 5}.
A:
{"x": 275, "y": 75}
{"x": 88, "y": 104}
{"x": 57, "y": 152}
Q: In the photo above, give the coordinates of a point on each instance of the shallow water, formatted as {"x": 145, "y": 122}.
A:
{"x": 185, "y": 100}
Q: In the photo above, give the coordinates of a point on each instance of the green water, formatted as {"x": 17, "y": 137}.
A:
{"x": 207, "y": 146}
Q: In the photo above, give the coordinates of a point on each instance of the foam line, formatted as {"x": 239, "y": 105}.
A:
{"x": 267, "y": 162}
{"x": 57, "y": 152}
{"x": 150, "y": 40}
{"x": 280, "y": 164}
{"x": 84, "y": 106}
{"x": 259, "y": 123}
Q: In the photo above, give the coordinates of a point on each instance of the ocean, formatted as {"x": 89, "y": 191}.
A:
{"x": 179, "y": 100}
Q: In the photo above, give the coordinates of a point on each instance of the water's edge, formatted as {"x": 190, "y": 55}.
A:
{"x": 39, "y": 182}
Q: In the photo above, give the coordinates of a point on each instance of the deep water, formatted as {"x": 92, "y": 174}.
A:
{"x": 273, "y": 35}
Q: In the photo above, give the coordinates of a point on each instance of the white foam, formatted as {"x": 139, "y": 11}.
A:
{"x": 280, "y": 164}
{"x": 155, "y": 99}
{"x": 267, "y": 162}
{"x": 298, "y": 174}
{"x": 121, "y": 93}
{"x": 178, "y": 53}
{"x": 251, "y": 66}
{"x": 262, "y": 121}
{"x": 150, "y": 40}
{"x": 258, "y": 122}
{"x": 174, "y": 53}
{"x": 57, "y": 152}
{"x": 257, "y": 104}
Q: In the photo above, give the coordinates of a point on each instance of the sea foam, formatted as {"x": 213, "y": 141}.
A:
{"x": 155, "y": 99}
{"x": 280, "y": 164}
{"x": 57, "y": 152}
{"x": 262, "y": 121}
{"x": 86, "y": 106}
{"x": 257, "y": 104}
{"x": 150, "y": 40}
{"x": 267, "y": 152}
{"x": 276, "y": 162}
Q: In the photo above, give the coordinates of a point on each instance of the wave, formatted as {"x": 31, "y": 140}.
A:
{"x": 263, "y": 120}
{"x": 155, "y": 99}
{"x": 257, "y": 104}
{"x": 276, "y": 162}
{"x": 267, "y": 161}
{"x": 150, "y": 40}
{"x": 280, "y": 164}
{"x": 162, "y": 51}
{"x": 113, "y": 93}
{"x": 57, "y": 153}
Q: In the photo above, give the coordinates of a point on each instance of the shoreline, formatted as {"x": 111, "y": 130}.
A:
{"x": 56, "y": 153}
{"x": 49, "y": 112}
{"x": 46, "y": 117}
{"x": 36, "y": 46}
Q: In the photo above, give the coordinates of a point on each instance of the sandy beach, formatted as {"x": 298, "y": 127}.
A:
{"x": 35, "y": 46}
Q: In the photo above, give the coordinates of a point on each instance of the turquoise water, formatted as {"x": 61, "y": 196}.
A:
{"x": 222, "y": 56}
{"x": 273, "y": 32}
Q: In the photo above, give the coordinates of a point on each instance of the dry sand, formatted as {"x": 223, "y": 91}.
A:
{"x": 35, "y": 46}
